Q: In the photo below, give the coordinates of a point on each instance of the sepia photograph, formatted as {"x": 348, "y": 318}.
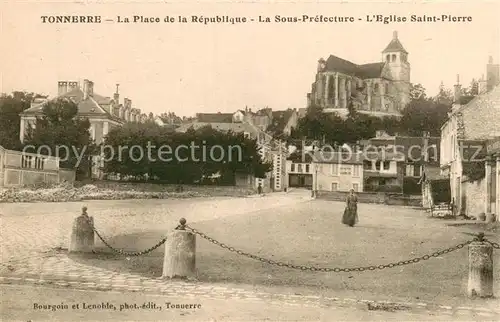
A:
{"x": 249, "y": 161}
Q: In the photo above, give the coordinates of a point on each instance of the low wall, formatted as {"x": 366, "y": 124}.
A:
{"x": 373, "y": 197}
{"x": 157, "y": 187}
{"x": 67, "y": 175}
{"x": 24, "y": 177}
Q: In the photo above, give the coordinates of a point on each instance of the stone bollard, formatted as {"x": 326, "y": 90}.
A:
{"x": 82, "y": 235}
{"x": 180, "y": 253}
{"x": 480, "y": 269}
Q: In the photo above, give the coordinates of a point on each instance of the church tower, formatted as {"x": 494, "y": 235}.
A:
{"x": 398, "y": 67}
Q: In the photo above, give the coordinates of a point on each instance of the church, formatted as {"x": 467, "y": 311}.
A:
{"x": 379, "y": 89}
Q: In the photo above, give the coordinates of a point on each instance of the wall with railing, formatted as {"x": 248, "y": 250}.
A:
{"x": 23, "y": 169}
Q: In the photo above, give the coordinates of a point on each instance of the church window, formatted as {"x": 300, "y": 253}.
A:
{"x": 393, "y": 57}
{"x": 386, "y": 89}
{"x": 388, "y": 58}
{"x": 375, "y": 88}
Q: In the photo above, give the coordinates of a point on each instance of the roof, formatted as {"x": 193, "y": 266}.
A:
{"x": 92, "y": 105}
{"x": 372, "y": 70}
{"x": 413, "y": 148}
{"x": 214, "y": 117}
{"x": 337, "y": 157}
{"x": 493, "y": 146}
{"x": 225, "y": 127}
{"x": 433, "y": 173}
{"x": 395, "y": 45}
{"x": 473, "y": 114}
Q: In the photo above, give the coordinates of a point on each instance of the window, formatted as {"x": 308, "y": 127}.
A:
{"x": 393, "y": 57}
{"x": 387, "y": 165}
{"x": 355, "y": 172}
{"x": 409, "y": 170}
{"x": 386, "y": 89}
{"x": 335, "y": 169}
{"x": 378, "y": 165}
{"x": 307, "y": 168}
{"x": 292, "y": 167}
{"x": 335, "y": 186}
{"x": 355, "y": 187}
{"x": 388, "y": 58}
{"x": 367, "y": 165}
{"x": 375, "y": 88}
{"x": 299, "y": 167}
{"x": 346, "y": 170}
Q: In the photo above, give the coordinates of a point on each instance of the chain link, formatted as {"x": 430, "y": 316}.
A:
{"x": 329, "y": 269}
{"x": 495, "y": 245}
{"x": 120, "y": 251}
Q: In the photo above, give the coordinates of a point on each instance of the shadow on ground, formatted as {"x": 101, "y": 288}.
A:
{"x": 311, "y": 235}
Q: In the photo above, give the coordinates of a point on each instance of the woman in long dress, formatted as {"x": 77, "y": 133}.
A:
{"x": 351, "y": 210}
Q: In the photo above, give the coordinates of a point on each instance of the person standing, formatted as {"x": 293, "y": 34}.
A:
{"x": 350, "y": 216}
{"x": 259, "y": 189}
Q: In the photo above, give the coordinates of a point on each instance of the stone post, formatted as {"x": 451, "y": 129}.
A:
{"x": 82, "y": 235}
{"x": 180, "y": 253}
{"x": 480, "y": 269}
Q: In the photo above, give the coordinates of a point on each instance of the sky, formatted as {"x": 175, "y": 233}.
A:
{"x": 191, "y": 68}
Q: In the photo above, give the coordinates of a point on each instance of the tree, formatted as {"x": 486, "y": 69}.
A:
{"x": 65, "y": 135}
{"x": 10, "y": 107}
{"x": 425, "y": 114}
{"x": 170, "y": 118}
{"x": 181, "y": 157}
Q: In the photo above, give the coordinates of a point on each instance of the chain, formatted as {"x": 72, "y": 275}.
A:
{"x": 327, "y": 269}
{"x": 120, "y": 251}
{"x": 495, "y": 245}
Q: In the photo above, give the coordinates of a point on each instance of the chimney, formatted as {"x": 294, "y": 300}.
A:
{"x": 88, "y": 89}
{"x": 72, "y": 86}
{"x": 492, "y": 74}
{"x": 116, "y": 95}
{"x": 426, "y": 136}
{"x": 395, "y": 35}
{"x": 482, "y": 85}
{"x": 62, "y": 88}
{"x": 458, "y": 91}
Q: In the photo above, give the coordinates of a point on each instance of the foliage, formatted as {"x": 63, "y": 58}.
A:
{"x": 181, "y": 157}
{"x": 10, "y": 108}
{"x": 59, "y": 127}
{"x": 474, "y": 171}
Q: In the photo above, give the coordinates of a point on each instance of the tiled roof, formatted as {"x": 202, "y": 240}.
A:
{"x": 395, "y": 45}
{"x": 372, "y": 70}
{"x": 470, "y": 113}
{"x": 88, "y": 106}
{"x": 433, "y": 173}
{"x": 338, "y": 157}
{"x": 234, "y": 127}
{"x": 214, "y": 117}
{"x": 412, "y": 147}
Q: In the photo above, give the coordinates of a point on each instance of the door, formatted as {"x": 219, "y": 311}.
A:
{"x": 458, "y": 197}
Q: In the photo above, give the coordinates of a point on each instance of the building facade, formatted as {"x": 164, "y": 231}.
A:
{"x": 464, "y": 138}
{"x": 337, "y": 171}
{"x": 104, "y": 113}
{"x": 380, "y": 88}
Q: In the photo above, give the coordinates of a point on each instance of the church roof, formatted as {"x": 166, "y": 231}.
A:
{"x": 372, "y": 70}
{"x": 395, "y": 45}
